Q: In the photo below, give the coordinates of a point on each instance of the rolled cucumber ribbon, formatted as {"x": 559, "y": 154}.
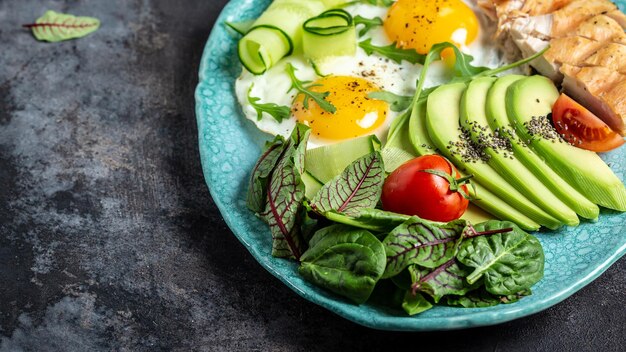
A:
{"x": 278, "y": 32}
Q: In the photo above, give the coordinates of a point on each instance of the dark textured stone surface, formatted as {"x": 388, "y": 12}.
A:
{"x": 109, "y": 239}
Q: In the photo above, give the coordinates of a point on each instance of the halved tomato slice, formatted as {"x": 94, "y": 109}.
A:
{"x": 582, "y": 128}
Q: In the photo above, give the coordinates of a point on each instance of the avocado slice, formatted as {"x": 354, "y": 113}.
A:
{"x": 499, "y": 121}
{"x": 529, "y": 101}
{"x": 500, "y": 153}
{"x": 481, "y": 208}
{"x": 442, "y": 121}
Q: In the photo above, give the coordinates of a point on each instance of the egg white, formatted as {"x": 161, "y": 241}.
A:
{"x": 274, "y": 85}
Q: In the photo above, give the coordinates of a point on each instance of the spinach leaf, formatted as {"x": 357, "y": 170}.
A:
{"x": 359, "y": 186}
{"x": 396, "y": 102}
{"x": 480, "y": 298}
{"x": 509, "y": 262}
{"x": 415, "y": 303}
{"x": 392, "y": 52}
{"x": 278, "y": 112}
{"x": 285, "y": 196}
{"x": 475, "y": 299}
{"x": 370, "y": 219}
{"x": 257, "y": 188}
{"x": 345, "y": 260}
{"x": 422, "y": 242}
{"x": 368, "y": 23}
{"x": 447, "y": 279}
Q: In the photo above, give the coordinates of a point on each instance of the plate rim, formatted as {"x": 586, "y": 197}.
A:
{"x": 477, "y": 317}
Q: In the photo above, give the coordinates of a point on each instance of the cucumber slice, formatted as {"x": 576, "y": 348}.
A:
{"x": 276, "y": 34}
{"x": 240, "y": 27}
{"x": 528, "y": 102}
{"x": 326, "y": 162}
{"x": 503, "y": 160}
{"x": 333, "y": 33}
{"x": 499, "y": 121}
{"x": 262, "y": 47}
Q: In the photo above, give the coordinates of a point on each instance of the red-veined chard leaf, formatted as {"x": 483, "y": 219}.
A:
{"x": 285, "y": 196}
{"x": 55, "y": 27}
{"x": 257, "y": 188}
{"x": 422, "y": 242}
{"x": 345, "y": 260}
{"x": 358, "y": 187}
{"x": 447, "y": 279}
{"x": 509, "y": 262}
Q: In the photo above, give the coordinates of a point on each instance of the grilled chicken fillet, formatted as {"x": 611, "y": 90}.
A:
{"x": 587, "y": 48}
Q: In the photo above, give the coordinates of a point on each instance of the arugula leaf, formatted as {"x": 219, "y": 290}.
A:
{"x": 257, "y": 187}
{"x": 304, "y": 89}
{"x": 396, "y": 102}
{"x": 415, "y": 303}
{"x": 368, "y": 23}
{"x": 385, "y": 3}
{"x": 278, "y": 112}
{"x": 422, "y": 242}
{"x": 285, "y": 195}
{"x": 345, "y": 260}
{"x": 509, "y": 262}
{"x": 392, "y": 52}
{"x": 358, "y": 187}
{"x": 447, "y": 279}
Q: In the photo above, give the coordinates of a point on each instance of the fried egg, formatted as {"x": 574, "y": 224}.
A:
{"x": 416, "y": 24}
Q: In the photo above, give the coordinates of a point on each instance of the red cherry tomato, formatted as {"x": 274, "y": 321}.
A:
{"x": 413, "y": 191}
{"x": 582, "y": 128}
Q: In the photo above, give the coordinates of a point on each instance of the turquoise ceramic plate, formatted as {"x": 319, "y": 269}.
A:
{"x": 229, "y": 147}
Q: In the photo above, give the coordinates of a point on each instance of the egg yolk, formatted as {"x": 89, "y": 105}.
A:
{"x": 356, "y": 114}
{"x": 419, "y": 24}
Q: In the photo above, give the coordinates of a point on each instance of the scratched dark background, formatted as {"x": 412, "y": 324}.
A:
{"x": 109, "y": 239}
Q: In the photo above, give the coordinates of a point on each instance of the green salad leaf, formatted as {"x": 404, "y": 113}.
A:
{"x": 285, "y": 196}
{"x": 509, "y": 262}
{"x": 55, "y": 27}
{"x": 392, "y": 52}
{"x": 415, "y": 303}
{"x": 358, "y": 187}
{"x": 278, "y": 112}
{"x": 345, "y": 260}
{"x": 304, "y": 88}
